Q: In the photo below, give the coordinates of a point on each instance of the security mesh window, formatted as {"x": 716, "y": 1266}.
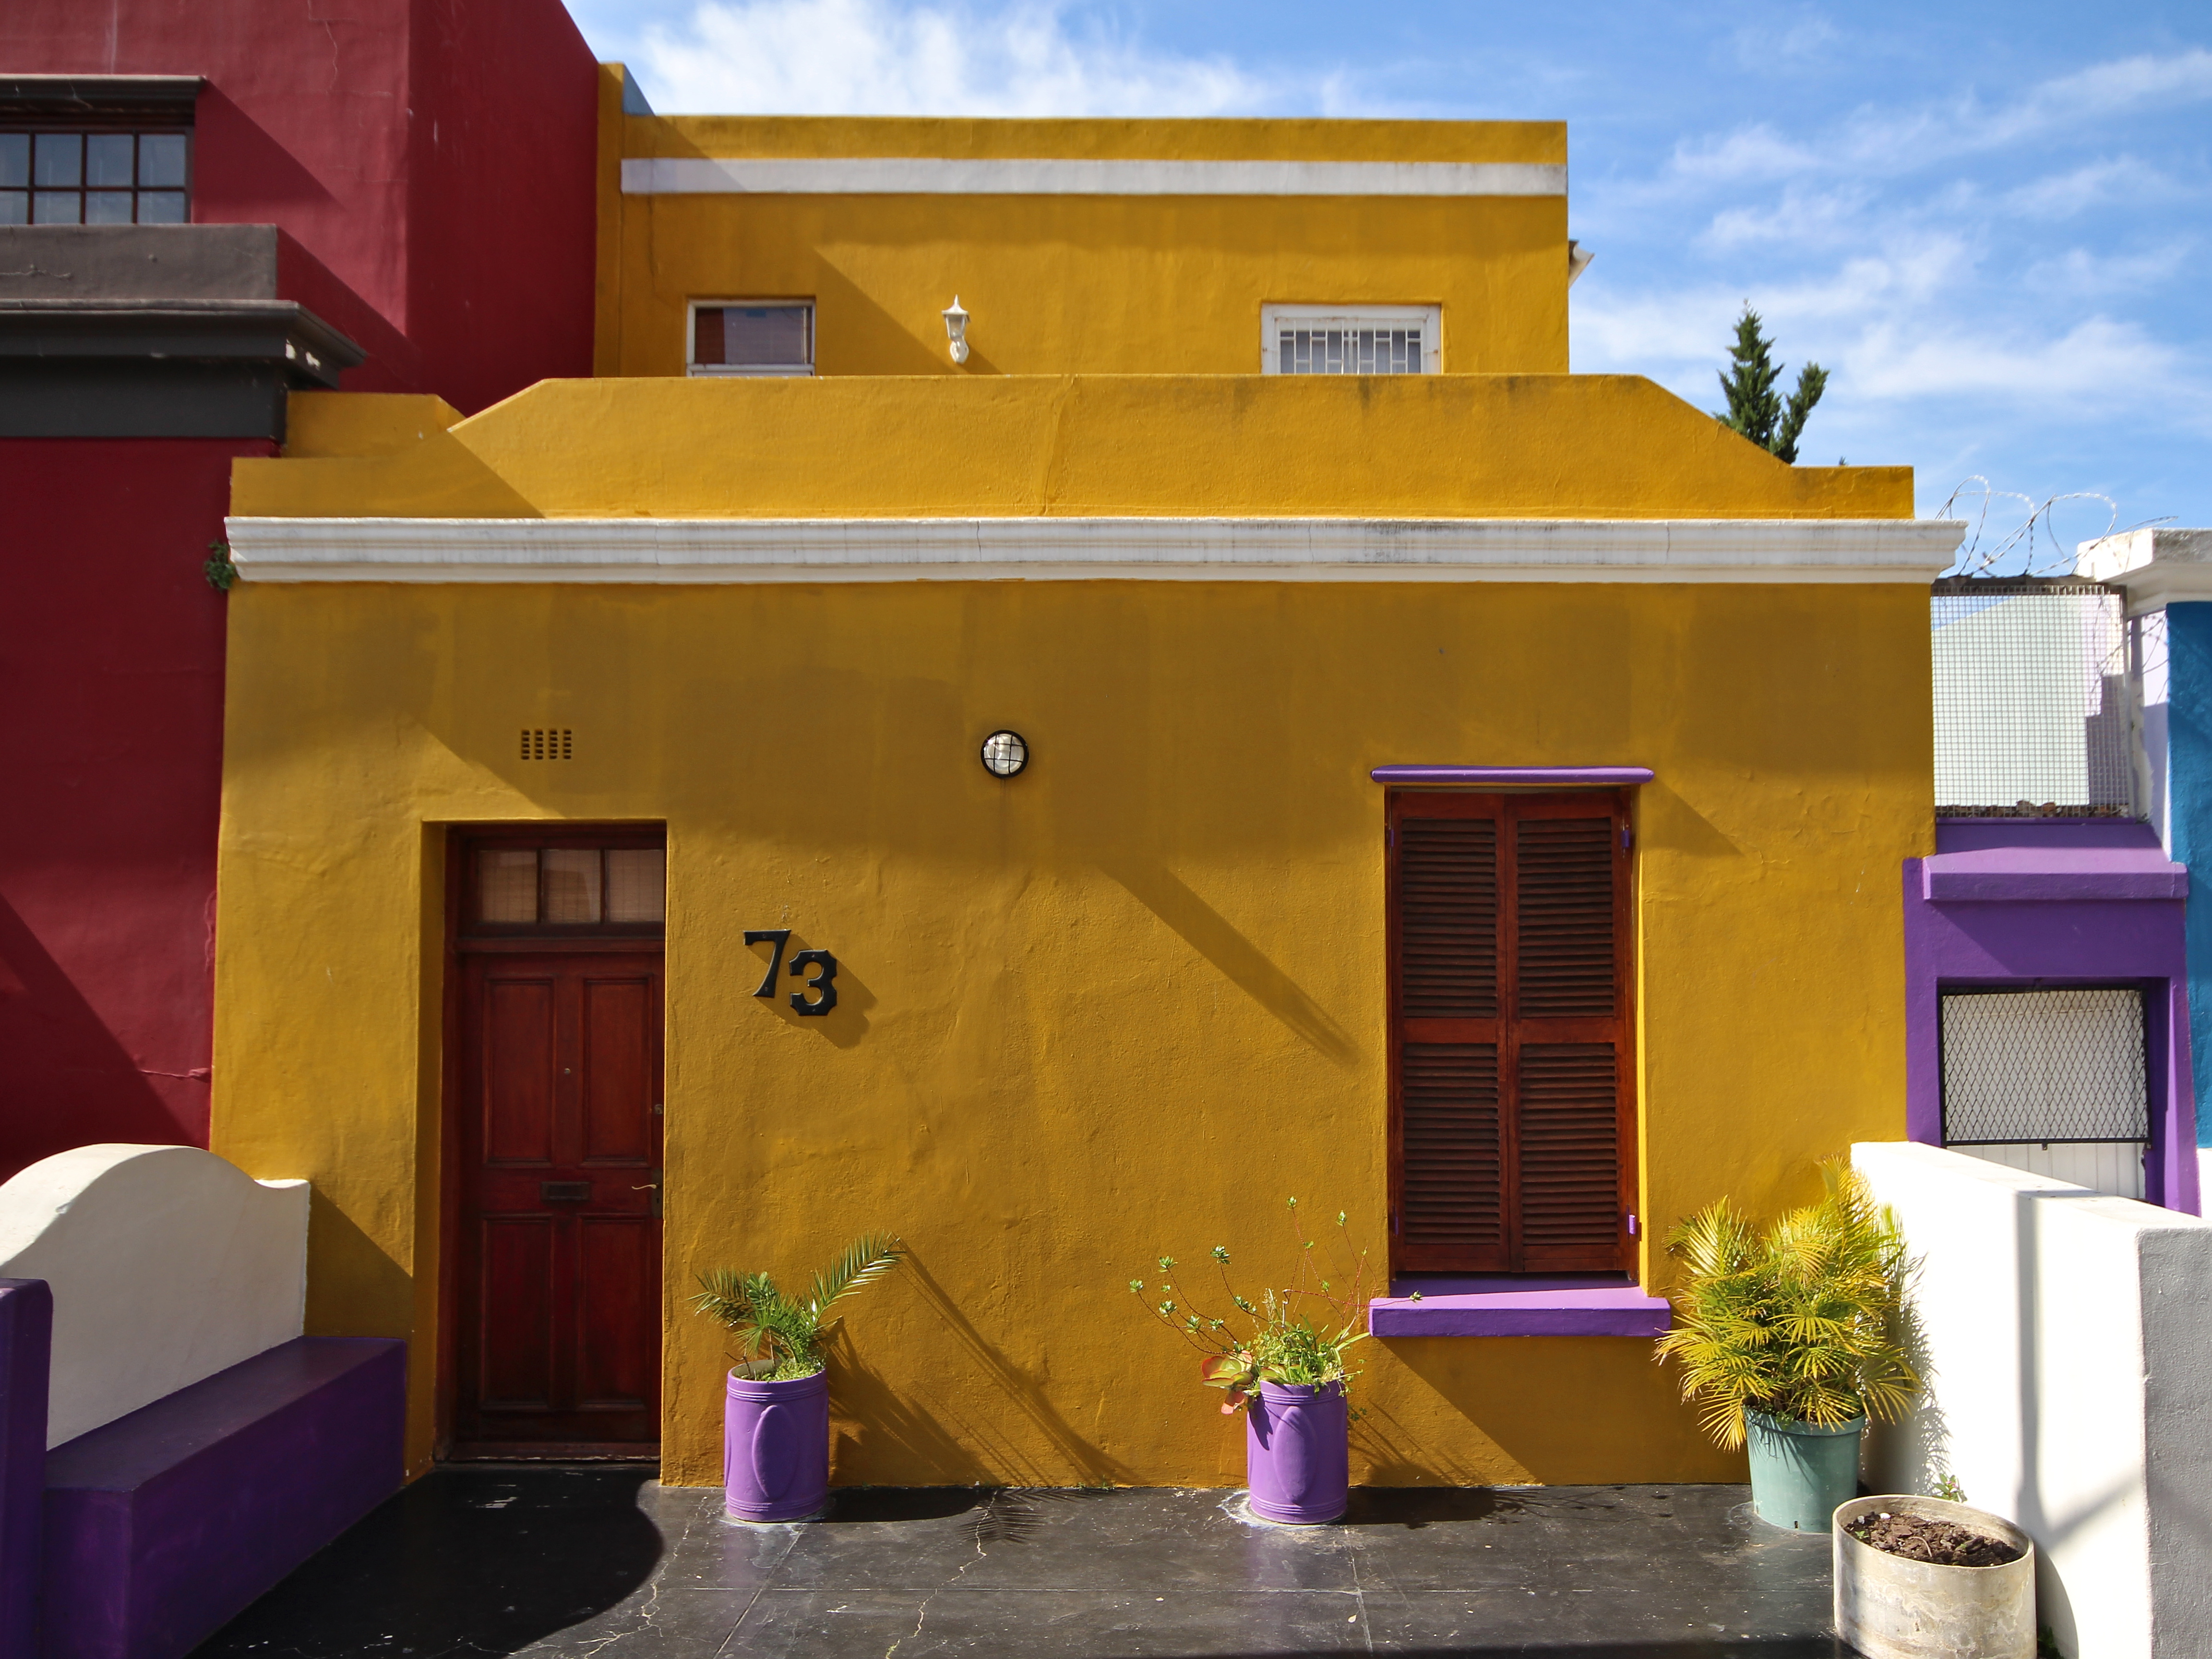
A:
{"x": 2040, "y": 1067}
{"x": 94, "y": 178}
{"x": 1311, "y": 339}
{"x": 2031, "y": 699}
{"x": 775, "y": 338}
{"x": 563, "y": 887}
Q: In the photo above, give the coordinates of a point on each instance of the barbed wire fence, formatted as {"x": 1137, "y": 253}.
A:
{"x": 2034, "y": 537}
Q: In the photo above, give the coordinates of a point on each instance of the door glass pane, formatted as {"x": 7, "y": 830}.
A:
{"x": 572, "y": 884}
{"x": 506, "y": 884}
{"x": 637, "y": 882}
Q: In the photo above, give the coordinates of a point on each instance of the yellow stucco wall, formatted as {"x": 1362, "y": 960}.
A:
{"x": 1085, "y": 284}
{"x": 1125, "y": 1004}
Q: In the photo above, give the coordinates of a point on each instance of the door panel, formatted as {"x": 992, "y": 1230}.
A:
{"x": 559, "y": 1321}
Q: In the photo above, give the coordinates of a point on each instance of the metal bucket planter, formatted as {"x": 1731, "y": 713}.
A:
{"x": 1889, "y": 1606}
{"x": 1296, "y": 1460}
{"x": 1799, "y": 1472}
{"x": 775, "y": 1447}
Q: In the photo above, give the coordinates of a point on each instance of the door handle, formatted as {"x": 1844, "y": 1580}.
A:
{"x": 564, "y": 1192}
{"x": 652, "y": 1187}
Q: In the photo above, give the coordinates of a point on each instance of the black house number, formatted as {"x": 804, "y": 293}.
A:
{"x": 824, "y": 984}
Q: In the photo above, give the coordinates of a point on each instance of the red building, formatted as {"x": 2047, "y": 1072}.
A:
{"x": 203, "y": 207}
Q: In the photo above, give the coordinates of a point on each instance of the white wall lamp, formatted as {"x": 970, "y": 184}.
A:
{"x": 955, "y": 329}
{"x": 1004, "y": 754}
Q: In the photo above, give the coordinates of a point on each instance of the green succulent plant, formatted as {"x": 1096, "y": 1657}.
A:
{"x": 782, "y": 1335}
{"x": 1800, "y": 1324}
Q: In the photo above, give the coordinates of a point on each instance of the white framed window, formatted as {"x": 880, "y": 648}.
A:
{"x": 751, "y": 337}
{"x": 1351, "y": 339}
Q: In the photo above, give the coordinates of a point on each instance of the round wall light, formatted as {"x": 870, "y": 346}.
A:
{"x": 1004, "y": 753}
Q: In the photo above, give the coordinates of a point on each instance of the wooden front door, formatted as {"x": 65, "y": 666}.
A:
{"x": 558, "y": 1281}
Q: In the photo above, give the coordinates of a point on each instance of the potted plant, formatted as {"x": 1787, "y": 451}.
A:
{"x": 1283, "y": 1359}
{"x": 1786, "y": 1341}
{"x": 776, "y": 1413}
{"x": 1929, "y": 1578}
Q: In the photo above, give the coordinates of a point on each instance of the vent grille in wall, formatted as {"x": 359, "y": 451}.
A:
{"x": 548, "y": 742}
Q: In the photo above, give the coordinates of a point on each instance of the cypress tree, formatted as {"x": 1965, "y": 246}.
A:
{"x": 1755, "y": 409}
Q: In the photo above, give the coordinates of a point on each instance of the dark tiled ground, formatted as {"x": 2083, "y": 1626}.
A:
{"x": 589, "y": 1561}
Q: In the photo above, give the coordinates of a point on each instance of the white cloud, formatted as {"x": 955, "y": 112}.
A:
{"x": 2077, "y": 273}
{"x": 874, "y": 57}
{"x": 2096, "y": 184}
{"x": 2100, "y": 363}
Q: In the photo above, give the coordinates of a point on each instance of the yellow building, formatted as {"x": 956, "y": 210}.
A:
{"x": 745, "y": 611}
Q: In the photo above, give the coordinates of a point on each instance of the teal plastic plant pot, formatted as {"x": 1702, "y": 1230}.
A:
{"x": 1800, "y": 1472}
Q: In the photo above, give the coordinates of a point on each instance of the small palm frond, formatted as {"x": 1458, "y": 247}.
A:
{"x": 865, "y": 1260}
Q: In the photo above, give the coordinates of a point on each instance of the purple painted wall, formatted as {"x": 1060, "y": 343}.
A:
{"x": 26, "y": 1329}
{"x": 2008, "y": 902}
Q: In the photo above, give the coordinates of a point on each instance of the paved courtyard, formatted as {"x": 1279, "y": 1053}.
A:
{"x": 605, "y": 1561}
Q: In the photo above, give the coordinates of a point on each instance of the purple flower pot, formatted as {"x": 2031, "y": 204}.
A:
{"x": 1296, "y": 1458}
{"x": 776, "y": 1448}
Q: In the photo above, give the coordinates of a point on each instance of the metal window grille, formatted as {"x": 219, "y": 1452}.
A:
{"x": 1349, "y": 351}
{"x": 2033, "y": 710}
{"x": 2040, "y": 1067}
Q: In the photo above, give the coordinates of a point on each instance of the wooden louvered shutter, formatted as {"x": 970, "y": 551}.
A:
{"x": 1512, "y": 1126}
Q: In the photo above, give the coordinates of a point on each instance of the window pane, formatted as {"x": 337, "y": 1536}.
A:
{"x": 637, "y": 884}
{"x": 707, "y": 336}
{"x": 572, "y": 884}
{"x": 14, "y": 207}
{"x": 15, "y": 160}
{"x": 107, "y": 158}
{"x": 506, "y": 884}
{"x": 57, "y": 207}
{"x": 107, "y": 207}
{"x": 161, "y": 207}
{"x": 162, "y": 161}
{"x": 766, "y": 336}
{"x": 60, "y": 158}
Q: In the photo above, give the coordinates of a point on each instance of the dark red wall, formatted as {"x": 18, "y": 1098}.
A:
{"x": 111, "y": 672}
{"x": 436, "y": 156}
{"x": 434, "y": 162}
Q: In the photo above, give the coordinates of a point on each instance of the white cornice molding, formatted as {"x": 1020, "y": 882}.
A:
{"x": 1090, "y": 549}
{"x": 2155, "y": 566}
{"x": 929, "y": 175}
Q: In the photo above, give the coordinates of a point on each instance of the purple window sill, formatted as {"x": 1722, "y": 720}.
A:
{"x": 1569, "y": 1305}
{"x": 2050, "y": 874}
{"x": 1556, "y": 777}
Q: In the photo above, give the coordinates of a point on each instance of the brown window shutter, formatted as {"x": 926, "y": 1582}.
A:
{"x": 1510, "y": 1114}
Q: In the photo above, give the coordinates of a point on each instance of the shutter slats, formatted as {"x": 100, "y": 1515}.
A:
{"x": 1565, "y": 934}
{"x": 1570, "y": 1161}
{"x": 1511, "y": 1114}
{"x": 1448, "y": 917}
{"x": 1452, "y": 1163}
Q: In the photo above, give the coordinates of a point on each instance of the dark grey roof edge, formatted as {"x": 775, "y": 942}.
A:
{"x": 278, "y": 331}
{"x": 62, "y": 94}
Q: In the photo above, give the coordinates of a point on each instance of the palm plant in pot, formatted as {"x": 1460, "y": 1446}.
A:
{"x": 1283, "y": 1359}
{"x": 776, "y": 1413}
{"x": 1787, "y": 1341}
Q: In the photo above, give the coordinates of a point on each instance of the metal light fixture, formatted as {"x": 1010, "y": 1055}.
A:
{"x": 956, "y": 331}
{"x": 1004, "y": 753}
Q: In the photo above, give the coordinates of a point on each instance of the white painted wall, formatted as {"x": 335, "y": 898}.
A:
{"x": 167, "y": 1264}
{"x": 2066, "y": 1340}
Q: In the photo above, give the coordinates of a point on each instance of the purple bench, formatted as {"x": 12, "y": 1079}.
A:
{"x": 162, "y": 1526}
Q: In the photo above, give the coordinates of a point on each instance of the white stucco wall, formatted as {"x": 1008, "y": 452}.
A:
{"x": 167, "y": 1264}
{"x": 2066, "y": 1340}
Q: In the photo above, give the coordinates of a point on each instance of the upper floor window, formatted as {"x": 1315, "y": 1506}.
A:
{"x": 94, "y": 178}
{"x": 1351, "y": 340}
{"x": 766, "y": 336}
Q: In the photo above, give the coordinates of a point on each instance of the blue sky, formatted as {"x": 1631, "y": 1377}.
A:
{"x": 1989, "y": 222}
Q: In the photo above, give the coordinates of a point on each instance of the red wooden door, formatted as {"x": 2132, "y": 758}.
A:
{"x": 559, "y": 1322}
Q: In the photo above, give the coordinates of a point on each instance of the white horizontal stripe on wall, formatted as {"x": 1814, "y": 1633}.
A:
{"x": 929, "y": 175}
{"x": 1089, "y": 550}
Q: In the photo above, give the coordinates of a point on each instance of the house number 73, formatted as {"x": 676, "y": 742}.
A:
{"x": 824, "y": 984}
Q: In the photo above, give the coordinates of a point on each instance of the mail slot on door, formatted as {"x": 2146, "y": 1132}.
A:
{"x": 564, "y": 1192}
